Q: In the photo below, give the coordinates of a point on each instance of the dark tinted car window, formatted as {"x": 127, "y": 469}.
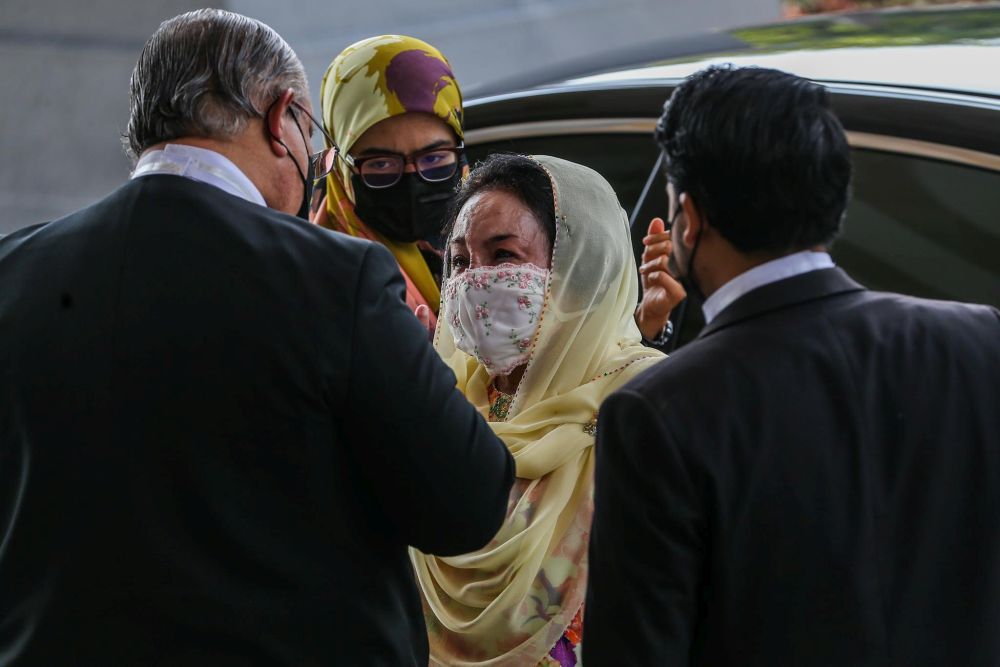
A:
{"x": 923, "y": 227}
{"x": 623, "y": 159}
{"x": 914, "y": 226}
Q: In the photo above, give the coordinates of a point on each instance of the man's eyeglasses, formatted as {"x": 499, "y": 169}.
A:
{"x": 323, "y": 161}
{"x": 383, "y": 171}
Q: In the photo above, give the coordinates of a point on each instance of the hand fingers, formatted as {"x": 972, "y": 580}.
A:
{"x": 656, "y": 250}
{"x": 423, "y": 314}
{"x": 651, "y": 266}
{"x": 650, "y": 239}
{"x": 656, "y": 226}
{"x": 675, "y": 291}
{"x": 656, "y": 264}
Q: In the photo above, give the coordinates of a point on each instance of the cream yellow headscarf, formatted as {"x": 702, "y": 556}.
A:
{"x": 375, "y": 79}
{"x": 508, "y": 603}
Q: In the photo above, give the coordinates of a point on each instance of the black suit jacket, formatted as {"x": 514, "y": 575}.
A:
{"x": 221, "y": 427}
{"x": 815, "y": 480}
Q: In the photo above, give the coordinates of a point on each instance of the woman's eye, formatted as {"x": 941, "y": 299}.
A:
{"x": 435, "y": 159}
{"x": 503, "y": 254}
{"x": 380, "y": 164}
{"x": 459, "y": 262}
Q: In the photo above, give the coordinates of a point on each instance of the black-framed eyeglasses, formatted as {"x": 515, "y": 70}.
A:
{"x": 322, "y": 161}
{"x": 384, "y": 170}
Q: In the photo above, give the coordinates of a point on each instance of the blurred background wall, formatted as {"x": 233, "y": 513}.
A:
{"x": 66, "y": 65}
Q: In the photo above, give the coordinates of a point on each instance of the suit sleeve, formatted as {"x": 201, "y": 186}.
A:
{"x": 438, "y": 469}
{"x": 646, "y": 545}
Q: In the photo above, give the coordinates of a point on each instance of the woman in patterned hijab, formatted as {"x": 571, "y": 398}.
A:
{"x": 393, "y": 107}
{"x": 537, "y": 325}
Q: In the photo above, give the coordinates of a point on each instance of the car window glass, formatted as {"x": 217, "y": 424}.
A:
{"x": 625, "y": 160}
{"x": 914, "y": 225}
{"x": 923, "y": 227}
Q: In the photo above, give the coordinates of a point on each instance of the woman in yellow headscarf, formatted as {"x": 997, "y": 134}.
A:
{"x": 394, "y": 109}
{"x": 537, "y": 324}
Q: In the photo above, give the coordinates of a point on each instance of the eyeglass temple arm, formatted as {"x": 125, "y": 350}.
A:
{"x": 326, "y": 135}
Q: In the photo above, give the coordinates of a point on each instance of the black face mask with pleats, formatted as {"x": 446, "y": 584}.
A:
{"x": 408, "y": 211}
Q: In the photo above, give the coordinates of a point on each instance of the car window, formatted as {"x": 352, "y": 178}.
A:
{"x": 923, "y": 227}
{"x": 914, "y": 225}
{"x": 623, "y": 159}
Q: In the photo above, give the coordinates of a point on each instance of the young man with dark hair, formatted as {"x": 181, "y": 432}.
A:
{"x": 815, "y": 480}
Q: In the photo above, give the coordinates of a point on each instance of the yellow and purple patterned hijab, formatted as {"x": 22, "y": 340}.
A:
{"x": 374, "y": 79}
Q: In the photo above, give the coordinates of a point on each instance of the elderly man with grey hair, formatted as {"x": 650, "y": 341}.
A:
{"x": 220, "y": 426}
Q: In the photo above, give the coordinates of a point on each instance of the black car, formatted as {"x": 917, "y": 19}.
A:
{"x": 917, "y": 91}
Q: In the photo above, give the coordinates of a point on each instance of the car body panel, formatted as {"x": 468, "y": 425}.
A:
{"x": 920, "y": 103}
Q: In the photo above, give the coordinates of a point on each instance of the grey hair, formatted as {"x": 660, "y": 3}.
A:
{"x": 206, "y": 73}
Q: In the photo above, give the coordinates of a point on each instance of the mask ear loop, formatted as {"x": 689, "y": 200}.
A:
{"x": 306, "y": 180}
{"x": 302, "y": 174}
{"x": 282, "y": 143}
{"x": 689, "y": 273}
{"x": 682, "y": 307}
{"x": 303, "y": 211}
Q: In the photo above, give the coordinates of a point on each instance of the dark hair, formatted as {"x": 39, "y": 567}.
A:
{"x": 517, "y": 174}
{"x": 205, "y": 73}
{"x": 761, "y": 154}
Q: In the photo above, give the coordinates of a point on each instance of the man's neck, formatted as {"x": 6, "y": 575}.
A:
{"x": 726, "y": 264}
{"x": 237, "y": 150}
{"x": 227, "y": 149}
{"x": 779, "y": 268}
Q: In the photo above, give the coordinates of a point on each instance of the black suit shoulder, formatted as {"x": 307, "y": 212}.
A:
{"x": 900, "y": 311}
{"x": 256, "y": 219}
{"x": 811, "y": 461}
{"x": 870, "y": 319}
{"x": 234, "y": 418}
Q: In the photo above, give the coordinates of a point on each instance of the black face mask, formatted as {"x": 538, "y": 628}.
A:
{"x": 687, "y": 280}
{"x": 307, "y": 177}
{"x": 307, "y": 189}
{"x": 410, "y": 210}
{"x": 307, "y": 183}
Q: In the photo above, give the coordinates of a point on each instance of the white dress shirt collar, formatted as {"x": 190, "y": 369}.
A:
{"x": 763, "y": 274}
{"x": 199, "y": 164}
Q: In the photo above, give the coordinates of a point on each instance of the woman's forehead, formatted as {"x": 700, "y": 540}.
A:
{"x": 404, "y": 134}
{"x": 492, "y": 214}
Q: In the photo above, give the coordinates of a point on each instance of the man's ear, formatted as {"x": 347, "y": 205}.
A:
{"x": 274, "y": 123}
{"x": 693, "y": 219}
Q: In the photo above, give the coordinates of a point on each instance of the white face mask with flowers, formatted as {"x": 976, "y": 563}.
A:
{"x": 494, "y": 311}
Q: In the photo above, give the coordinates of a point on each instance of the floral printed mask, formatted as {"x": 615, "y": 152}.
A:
{"x": 494, "y": 313}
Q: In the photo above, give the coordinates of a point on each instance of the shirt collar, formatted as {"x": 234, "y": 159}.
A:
{"x": 199, "y": 164}
{"x": 763, "y": 274}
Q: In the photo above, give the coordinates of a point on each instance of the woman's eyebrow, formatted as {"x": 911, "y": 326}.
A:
{"x": 378, "y": 150}
{"x": 498, "y": 238}
{"x": 435, "y": 144}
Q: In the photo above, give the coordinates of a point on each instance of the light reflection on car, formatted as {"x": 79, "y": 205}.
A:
{"x": 917, "y": 91}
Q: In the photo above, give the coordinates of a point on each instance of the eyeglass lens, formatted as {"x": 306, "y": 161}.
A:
{"x": 323, "y": 162}
{"x": 384, "y": 171}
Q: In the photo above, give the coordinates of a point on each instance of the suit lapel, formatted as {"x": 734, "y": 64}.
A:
{"x": 782, "y": 294}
